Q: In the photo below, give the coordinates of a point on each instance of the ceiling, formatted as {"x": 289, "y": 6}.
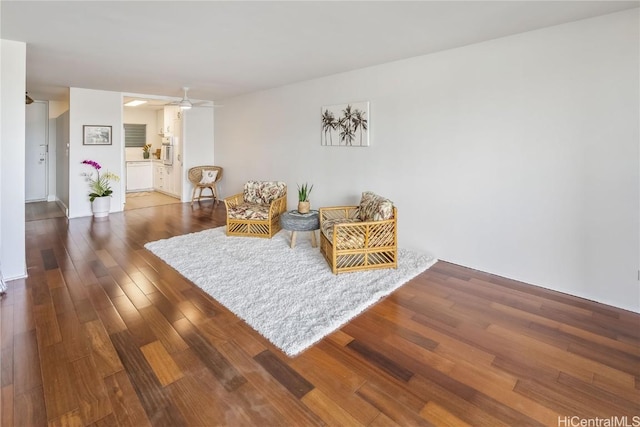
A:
{"x": 222, "y": 49}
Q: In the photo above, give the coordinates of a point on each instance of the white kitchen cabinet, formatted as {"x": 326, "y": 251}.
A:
{"x": 139, "y": 176}
{"x": 170, "y": 114}
{"x": 168, "y": 185}
{"x": 168, "y": 178}
{"x": 158, "y": 176}
{"x": 163, "y": 179}
{"x": 160, "y": 121}
{"x": 165, "y": 119}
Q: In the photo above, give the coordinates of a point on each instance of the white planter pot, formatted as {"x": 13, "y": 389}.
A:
{"x": 100, "y": 207}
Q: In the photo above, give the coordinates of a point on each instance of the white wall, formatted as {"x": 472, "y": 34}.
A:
{"x": 137, "y": 115}
{"x": 62, "y": 161}
{"x": 56, "y": 108}
{"x": 518, "y": 156}
{"x": 198, "y": 144}
{"x": 51, "y": 154}
{"x": 94, "y": 107}
{"x": 12, "y": 149}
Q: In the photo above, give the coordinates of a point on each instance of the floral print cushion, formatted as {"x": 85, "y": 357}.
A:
{"x": 263, "y": 192}
{"x": 249, "y": 211}
{"x": 374, "y": 207}
{"x": 327, "y": 225}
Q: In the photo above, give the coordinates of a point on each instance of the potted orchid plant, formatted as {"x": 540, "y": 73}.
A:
{"x": 100, "y": 188}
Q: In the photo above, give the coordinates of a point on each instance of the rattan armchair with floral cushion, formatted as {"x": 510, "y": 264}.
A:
{"x": 256, "y": 211}
{"x": 362, "y": 237}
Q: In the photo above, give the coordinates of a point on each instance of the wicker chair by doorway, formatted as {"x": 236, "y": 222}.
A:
{"x": 202, "y": 177}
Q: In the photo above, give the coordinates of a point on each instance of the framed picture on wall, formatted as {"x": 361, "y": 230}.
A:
{"x": 96, "y": 135}
{"x": 345, "y": 125}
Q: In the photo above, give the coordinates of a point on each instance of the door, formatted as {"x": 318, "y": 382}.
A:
{"x": 36, "y": 151}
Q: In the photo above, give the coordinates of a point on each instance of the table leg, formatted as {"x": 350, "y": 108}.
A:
{"x": 293, "y": 239}
{"x": 313, "y": 239}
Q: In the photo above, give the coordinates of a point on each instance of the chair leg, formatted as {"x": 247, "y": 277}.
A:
{"x": 199, "y": 194}
{"x": 193, "y": 195}
{"x": 199, "y": 189}
{"x": 214, "y": 189}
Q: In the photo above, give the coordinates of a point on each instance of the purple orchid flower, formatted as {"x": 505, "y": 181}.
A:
{"x": 95, "y": 165}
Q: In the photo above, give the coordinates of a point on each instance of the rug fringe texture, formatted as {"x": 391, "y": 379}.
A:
{"x": 288, "y": 295}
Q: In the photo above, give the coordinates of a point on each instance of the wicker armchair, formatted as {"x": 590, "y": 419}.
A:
{"x": 360, "y": 237}
{"x": 196, "y": 178}
{"x": 256, "y": 211}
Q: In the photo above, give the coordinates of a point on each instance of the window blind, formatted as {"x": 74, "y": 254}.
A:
{"x": 135, "y": 135}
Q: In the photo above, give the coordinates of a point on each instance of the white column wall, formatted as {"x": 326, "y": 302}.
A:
{"x": 62, "y": 161}
{"x": 12, "y": 149}
{"x": 94, "y": 107}
{"x": 198, "y": 146}
{"x": 56, "y": 109}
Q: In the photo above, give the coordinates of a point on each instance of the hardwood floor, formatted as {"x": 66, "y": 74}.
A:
{"x": 42, "y": 210}
{"x": 103, "y": 333}
{"x": 148, "y": 199}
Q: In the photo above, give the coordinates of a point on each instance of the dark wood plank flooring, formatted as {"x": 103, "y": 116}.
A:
{"x": 104, "y": 333}
{"x": 42, "y": 210}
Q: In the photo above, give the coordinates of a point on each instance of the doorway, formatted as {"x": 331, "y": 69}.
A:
{"x": 36, "y": 151}
{"x": 150, "y": 180}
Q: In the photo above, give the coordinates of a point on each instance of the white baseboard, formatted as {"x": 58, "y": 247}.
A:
{"x": 62, "y": 206}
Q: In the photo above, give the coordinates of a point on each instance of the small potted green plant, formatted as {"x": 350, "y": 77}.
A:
{"x": 303, "y": 198}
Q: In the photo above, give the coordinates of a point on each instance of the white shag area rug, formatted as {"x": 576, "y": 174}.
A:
{"x": 289, "y": 295}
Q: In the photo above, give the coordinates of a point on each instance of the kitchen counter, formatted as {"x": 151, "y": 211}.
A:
{"x": 142, "y": 160}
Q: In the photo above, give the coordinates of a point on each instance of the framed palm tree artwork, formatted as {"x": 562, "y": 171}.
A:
{"x": 346, "y": 125}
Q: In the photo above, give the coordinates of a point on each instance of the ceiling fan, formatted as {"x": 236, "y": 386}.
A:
{"x": 185, "y": 103}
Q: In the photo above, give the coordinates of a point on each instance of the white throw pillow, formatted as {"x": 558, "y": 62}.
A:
{"x": 209, "y": 176}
